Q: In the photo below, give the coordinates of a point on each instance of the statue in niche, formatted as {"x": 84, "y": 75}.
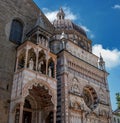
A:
{"x": 46, "y": 43}
{"x": 39, "y": 66}
{"x": 39, "y": 40}
{"x": 31, "y": 64}
{"x": 42, "y": 39}
{"x": 49, "y": 72}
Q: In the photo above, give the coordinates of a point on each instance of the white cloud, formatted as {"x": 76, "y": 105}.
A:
{"x": 90, "y": 34}
{"x": 69, "y": 14}
{"x": 111, "y": 57}
{"x": 51, "y": 15}
{"x": 85, "y": 28}
{"x": 116, "y": 6}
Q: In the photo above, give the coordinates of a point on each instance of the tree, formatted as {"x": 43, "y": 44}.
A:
{"x": 118, "y": 100}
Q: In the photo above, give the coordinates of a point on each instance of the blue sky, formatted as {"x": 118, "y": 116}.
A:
{"x": 101, "y": 20}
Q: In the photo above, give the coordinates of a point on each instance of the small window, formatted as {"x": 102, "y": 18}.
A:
{"x": 16, "y": 31}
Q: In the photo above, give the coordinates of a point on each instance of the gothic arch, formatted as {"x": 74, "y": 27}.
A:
{"x": 31, "y": 55}
{"x": 42, "y": 62}
{"x": 51, "y": 67}
{"x": 21, "y": 59}
{"x": 29, "y": 85}
{"x": 32, "y": 101}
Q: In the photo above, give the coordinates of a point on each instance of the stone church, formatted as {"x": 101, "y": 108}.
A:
{"x": 48, "y": 73}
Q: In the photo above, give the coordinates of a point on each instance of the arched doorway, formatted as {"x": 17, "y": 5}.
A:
{"x": 39, "y": 104}
{"x": 27, "y": 112}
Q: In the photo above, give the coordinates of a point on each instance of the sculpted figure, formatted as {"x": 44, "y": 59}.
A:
{"x": 39, "y": 66}
{"x": 31, "y": 64}
{"x": 49, "y": 72}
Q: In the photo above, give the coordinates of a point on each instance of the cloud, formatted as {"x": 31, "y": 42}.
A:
{"x": 51, "y": 15}
{"x": 111, "y": 57}
{"x": 88, "y": 31}
{"x": 69, "y": 14}
{"x": 85, "y": 28}
{"x": 116, "y": 6}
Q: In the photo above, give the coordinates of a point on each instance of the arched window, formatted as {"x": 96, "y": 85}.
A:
{"x": 16, "y": 31}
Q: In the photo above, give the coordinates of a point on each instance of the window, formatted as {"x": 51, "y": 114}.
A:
{"x": 16, "y": 31}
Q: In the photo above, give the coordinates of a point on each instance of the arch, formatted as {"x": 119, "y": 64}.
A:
{"x": 31, "y": 63}
{"x": 41, "y": 62}
{"x": 21, "y": 60}
{"x": 41, "y": 83}
{"x": 16, "y": 31}
{"x": 15, "y": 106}
{"x": 51, "y": 67}
{"x": 32, "y": 101}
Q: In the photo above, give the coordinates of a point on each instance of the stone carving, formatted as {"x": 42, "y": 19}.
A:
{"x": 75, "y": 86}
{"x": 31, "y": 64}
{"x": 35, "y": 83}
{"x": 39, "y": 66}
{"x": 49, "y": 72}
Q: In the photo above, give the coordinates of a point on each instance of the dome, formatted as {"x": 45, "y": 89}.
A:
{"x": 65, "y": 24}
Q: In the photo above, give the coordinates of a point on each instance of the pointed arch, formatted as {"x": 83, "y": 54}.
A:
{"x": 29, "y": 85}
{"x": 51, "y": 67}
{"x": 31, "y": 55}
{"x": 21, "y": 59}
{"x": 42, "y": 62}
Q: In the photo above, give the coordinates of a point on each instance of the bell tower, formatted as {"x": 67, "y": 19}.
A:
{"x": 60, "y": 14}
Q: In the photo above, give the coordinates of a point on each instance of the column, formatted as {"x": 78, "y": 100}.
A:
{"x": 26, "y": 58}
{"x": 16, "y": 64}
{"x": 83, "y": 118}
{"x": 37, "y": 55}
{"x": 55, "y": 69}
{"x": 46, "y": 65}
{"x": 54, "y": 114}
{"x": 21, "y": 112}
{"x": 40, "y": 114}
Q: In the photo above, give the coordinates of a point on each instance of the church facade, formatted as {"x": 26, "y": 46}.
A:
{"x": 48, "y": 73}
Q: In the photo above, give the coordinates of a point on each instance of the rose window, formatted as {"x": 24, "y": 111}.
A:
{"x": 90, "y": 97}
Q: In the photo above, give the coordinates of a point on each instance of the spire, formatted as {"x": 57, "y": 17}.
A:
{"x": 60, "y": 14}
{"x": 101, "y": 63}
{"x": 101, "y": 58}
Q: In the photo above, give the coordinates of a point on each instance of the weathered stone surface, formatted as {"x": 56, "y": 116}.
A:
{"x": 27, "y": 12}
{"x": 82, "y": 88}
